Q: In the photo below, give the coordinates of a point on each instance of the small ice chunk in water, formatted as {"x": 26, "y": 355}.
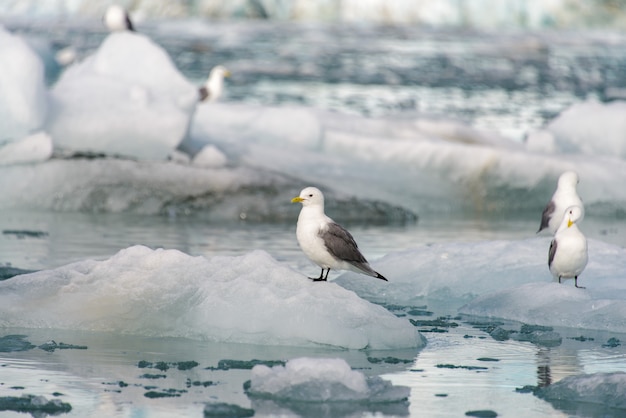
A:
{"x": 321, "y": 380}
{"x": 606, "y": 389}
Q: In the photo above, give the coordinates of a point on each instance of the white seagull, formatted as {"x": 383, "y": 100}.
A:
{"x": 567, "y": 257}
{"x": 564, "y": 197}
{"x": 212, "y": 89}
{"x": 117, "y": 19}
{"x": 323, "y": 241}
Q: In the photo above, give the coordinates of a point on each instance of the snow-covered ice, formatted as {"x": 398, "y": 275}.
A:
{"x": 321, "y": 380}
{"x": 127, "y": 98}
{"x": 504, "y": 279}
{"x": 249, "y": 299}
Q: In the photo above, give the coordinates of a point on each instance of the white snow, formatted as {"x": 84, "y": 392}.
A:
{"x": 23, "y": 102}
{"x": 606, "y": 389}
{"x": 249, "y": 299}
{"x": 505, "y": 279}
{"x": 128, "y": 98}
{"x": 321, "y": 380}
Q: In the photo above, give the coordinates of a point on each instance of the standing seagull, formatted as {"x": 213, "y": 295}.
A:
{"x": 567, "y": 257}
{"x": 117, "y": 19}
{"x": 564, "y": 197}
{"x": 325, "y": 242}
{"x": 212, "y": 89}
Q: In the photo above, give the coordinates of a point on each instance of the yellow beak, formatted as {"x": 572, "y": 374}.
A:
{"x": 227, "y": 73}
{"x": 569, "y": 223}
{"x": 297, "y": 199}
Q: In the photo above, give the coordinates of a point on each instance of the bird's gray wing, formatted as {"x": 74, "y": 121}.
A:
{"x": 551, "y": 252}
{"x": 546, "y": 215}
{"x": 203, "y": 92}
{"x": 341, "y": 245}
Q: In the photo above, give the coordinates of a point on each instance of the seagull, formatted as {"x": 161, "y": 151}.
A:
{"x": 567, "y": 257}
{"x": 212, "y": 89}
{"x": 117, "y": 19}
{"x": 564, "y": 197}
{"x": 323, "y": 241}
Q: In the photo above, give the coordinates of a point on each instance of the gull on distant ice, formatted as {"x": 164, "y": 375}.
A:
{"x": 212, "y": 89}
{"x": 117, "y": 19}
{"x": 325, "y": 242}
{"x": 564, "y": 197}
{"x": 567, "y": 257}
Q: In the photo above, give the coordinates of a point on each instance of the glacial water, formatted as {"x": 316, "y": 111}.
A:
{"x": 510, "y": 82}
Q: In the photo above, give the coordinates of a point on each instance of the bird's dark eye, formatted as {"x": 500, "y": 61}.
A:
{"x": 311, "y": 195}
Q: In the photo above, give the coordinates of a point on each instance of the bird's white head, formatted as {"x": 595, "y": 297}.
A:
{"x": 568, "y": 179}
{"x": 219, "y": 71}
{"x": 572, "y": 215}
{"x": 310, "y": 196}
{"x": 115, "y": 18}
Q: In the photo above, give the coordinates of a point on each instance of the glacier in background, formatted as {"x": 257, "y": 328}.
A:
{"x": 530, "y": 14}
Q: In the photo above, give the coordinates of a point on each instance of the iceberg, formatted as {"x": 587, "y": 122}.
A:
{"x": 23, "y": 102}
{"x": 321, "y": 380}
{"x": 249, "y": 299}
{"x": 127, "y": 98}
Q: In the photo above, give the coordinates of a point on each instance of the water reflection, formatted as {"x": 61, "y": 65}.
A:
{"x": 553, "y": 364}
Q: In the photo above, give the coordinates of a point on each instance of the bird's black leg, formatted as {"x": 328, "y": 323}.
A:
{"x": 321, "y": 278}
{"x": 559, "y": 279}
{"x": 576, "y": 283}
{"x": 327, "y": 271}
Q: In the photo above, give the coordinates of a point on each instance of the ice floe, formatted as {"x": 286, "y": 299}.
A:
{"x": 249, "y": 299}
{"x": 504, "y": 279}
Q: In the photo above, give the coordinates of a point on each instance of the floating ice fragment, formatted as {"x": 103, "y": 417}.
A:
{"x": 321, "y": 380}
{"x": 605, "y": 389}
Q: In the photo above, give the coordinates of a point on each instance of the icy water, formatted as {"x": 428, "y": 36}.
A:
{"x": 462, "y": 368}
{"x": 508, "y": 82}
